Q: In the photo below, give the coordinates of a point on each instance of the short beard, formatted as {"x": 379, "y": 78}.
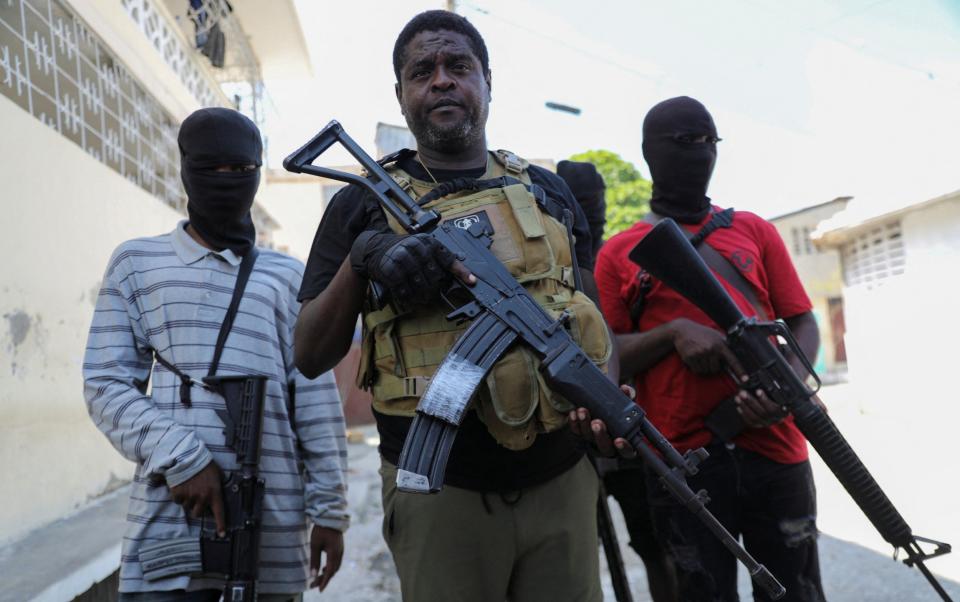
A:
{"x": 452, "y": 139}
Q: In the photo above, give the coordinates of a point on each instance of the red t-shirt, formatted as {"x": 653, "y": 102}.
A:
{"x": 675, "y": 399}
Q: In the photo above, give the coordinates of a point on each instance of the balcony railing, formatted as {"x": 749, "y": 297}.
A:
{"x": 204, "y": 44}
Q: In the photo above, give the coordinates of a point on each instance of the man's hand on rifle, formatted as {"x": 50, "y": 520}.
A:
{"x": 324, "y": 540}
{"x": 757, "y": 410}
{"x": 702, "y": 349}
{"x": 595, "y": 431}
{"x": 413, "y": 268}
{"x": 203, "y": 492}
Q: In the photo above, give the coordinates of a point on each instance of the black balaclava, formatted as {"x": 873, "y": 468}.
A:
{"x": 219, "y": 202}
{"x": 680, "y": 169}
{"x": 588, "y": 188}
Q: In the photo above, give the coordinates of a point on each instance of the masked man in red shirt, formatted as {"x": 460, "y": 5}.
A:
{"x": 757, "y": 475}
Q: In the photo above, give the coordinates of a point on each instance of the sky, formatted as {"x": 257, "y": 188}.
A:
{"x": 814, "y": 99}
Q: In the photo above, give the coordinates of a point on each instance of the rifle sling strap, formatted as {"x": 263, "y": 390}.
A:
{"x": 717, "y": 262}
{"x": 722, "y": 266}
{"x": 246, "y": 267}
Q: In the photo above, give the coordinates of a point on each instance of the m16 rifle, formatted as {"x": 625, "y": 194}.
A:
{"x": 234, "y": 557}
{"x": 666, "y": 253}
{"x": 237, "y": 555}
{"x": 503, "y": 313}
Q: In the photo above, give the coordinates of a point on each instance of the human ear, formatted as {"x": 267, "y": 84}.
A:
{"x": 399, "y": 92}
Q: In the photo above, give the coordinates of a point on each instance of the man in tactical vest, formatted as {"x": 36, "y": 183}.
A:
{"x": 516, "y": 518}
{"x": 757, "y": 475}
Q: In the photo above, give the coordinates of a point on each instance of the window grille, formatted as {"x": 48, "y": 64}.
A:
{"x": 874, "y": 256}
{"x": 795, "y": 233}
{"x": 54, "y": 67}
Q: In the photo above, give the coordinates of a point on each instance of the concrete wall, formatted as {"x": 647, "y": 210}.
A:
{"x": 64, "y": 213}
{"x": 902, "y": 333}
{"x": 902, "y": 358}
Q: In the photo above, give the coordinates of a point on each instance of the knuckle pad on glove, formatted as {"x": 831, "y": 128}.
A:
{"x": 443, "y": 256}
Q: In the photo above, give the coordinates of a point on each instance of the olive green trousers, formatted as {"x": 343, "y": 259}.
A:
{"x": 538, "y": 544}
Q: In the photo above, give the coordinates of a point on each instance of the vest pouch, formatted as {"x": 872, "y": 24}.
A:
{"x": 509, "y": 398}
{"x": 407, "y": 350}
{"x": 375, "y": 312}
{"x": 365, "y": 371}
{"x": 589, "y": 330}
{"x": 520, "y": 234}
{"x": 525, "y": 211}
{"x": 388, "y": 367}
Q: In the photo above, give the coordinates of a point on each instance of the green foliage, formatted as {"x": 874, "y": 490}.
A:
{"x": 628, "y": 192}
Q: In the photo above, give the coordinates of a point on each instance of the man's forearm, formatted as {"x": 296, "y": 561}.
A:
{"x": 326, "y": 323}
{"x": 805, "y": 331}
{"x": 639, "y": 351}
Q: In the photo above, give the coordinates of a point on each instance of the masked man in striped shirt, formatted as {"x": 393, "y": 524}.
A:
{"x": 164, "y": 298}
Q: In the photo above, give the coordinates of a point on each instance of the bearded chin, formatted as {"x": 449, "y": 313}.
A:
{"x": 450, "y": 139}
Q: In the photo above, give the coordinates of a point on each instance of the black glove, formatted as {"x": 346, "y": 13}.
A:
{"x": 412, "y": 268}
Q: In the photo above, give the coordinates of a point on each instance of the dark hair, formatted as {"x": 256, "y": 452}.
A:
{"x": 439, "y": 20}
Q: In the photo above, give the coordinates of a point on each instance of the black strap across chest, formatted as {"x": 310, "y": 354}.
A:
{"x": 722, "y": 266}
{"x": 717, "y": 262}
{"x": 243, "y": 275}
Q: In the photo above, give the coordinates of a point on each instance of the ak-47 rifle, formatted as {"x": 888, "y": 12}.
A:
{"x": 504, "y": 313}
{"x": 666, "y": 253}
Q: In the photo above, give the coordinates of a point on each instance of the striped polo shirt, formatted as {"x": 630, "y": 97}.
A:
{"x": 168, "y": 294}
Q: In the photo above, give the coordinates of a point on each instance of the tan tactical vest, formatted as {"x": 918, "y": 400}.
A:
{"x": 402, "y": 351}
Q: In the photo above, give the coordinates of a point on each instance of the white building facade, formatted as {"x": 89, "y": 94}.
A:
{"x": 92, "y": 93}
{"x": 900, "y": 293}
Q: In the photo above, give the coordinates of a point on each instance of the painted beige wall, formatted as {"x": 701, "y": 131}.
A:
{"x": 296, "y": 202}
{"x": 820, "y": 271}
{"x": 65, "y": 213}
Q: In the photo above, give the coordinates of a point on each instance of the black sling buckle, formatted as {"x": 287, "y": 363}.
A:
{"x": 246, "y": 267}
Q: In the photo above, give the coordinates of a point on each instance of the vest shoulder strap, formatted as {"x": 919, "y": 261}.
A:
{"x": 514, "y": 165}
